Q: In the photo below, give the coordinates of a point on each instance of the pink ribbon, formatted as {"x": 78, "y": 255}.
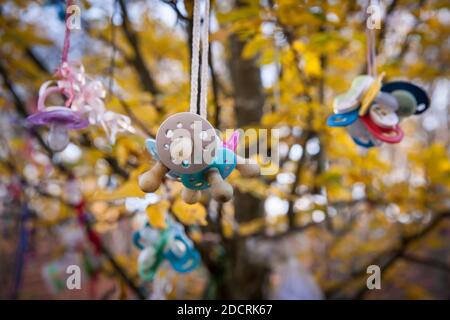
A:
{"x": 86, "y": 96}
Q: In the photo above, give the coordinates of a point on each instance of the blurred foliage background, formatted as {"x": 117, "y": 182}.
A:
{"x": 307, "y": 232}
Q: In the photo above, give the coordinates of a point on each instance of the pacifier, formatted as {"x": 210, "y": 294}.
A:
{"x": 350, "y": 100}
{"x": 361, "y": 136}
{"x": 59, "y": 118}
{"x": 383, "y": 117}
{"x": 412, "y": 99}
{"x": 376, "y": 117}
{"x": 342, "y": 119}
{"x": 188, "y": 149}
{"x": 389, "y": 135}
{"x": 171, "y": 244}
{"x": 181, "y": 254}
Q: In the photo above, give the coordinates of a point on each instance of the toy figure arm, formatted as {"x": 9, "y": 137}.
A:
{"x": 151, "y": 180}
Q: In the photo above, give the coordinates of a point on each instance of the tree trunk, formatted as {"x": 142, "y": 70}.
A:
{"x": 244, "y": 278}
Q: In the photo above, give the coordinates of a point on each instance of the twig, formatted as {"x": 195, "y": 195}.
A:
{"x": 133, "y": 117}
{"x": 386, "y": 259}
{"x": 147, "y": 81}
{"x": 303, "y": 139}
{"x": 433, "y": 263}
{"x": 174, "y": 6}
{"x": 215, "y": 91}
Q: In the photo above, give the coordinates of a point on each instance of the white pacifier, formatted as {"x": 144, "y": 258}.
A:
{"x": 350, "y": 100}
{"x": 383, "y": 116}
{"x": 147, "y": 258}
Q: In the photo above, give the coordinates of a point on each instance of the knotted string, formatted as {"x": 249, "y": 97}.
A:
{"x": 371, "y": 43}
{"x": 66, "y": 47}
{"x": 197, "y": 36}
{"x": 62, "y": 70}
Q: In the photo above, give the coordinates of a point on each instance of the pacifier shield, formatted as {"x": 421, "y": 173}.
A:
{"x": 186, "y": 143}
{"x": 420, "y": 96}
{"x": 406, "y": 101}
{"x": 61, "y": 115}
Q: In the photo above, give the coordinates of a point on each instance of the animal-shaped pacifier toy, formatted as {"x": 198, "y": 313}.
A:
{"x": 187, "y": 147}
{"x": 171, "y": 244}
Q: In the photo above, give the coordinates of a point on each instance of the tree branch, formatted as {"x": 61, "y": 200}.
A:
{"x": 135, "y": 119}
{"x": 215, "y": 90}
{"x": 429, "y": 262}
{"x": 173, "y": 5}
{"x": 303, "y": 139}
{"x": 141, "y": 68}
{"x": 386, "y": 259}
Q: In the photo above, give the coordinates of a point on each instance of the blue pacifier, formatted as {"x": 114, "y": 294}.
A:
{"x": 342, "y": 119}
{"x": 170, "y": 244}
{"x": 182, "y": 254}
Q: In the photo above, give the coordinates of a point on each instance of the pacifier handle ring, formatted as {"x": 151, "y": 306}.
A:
{"x": 188, "y": 261}
{"x": 137, "y": 240}
{"x": 47, "y": 92}
{"x": 161, "y": 245}
{"x": 159, "y": 254}
{"x": 150, "y": 275}
{"x": 191, "y": 262}
{"x": 381, "y": 133}
{"x": 342, "y": 119}
{"x": 361, "y": 143}
{"x": 399, "y": 134}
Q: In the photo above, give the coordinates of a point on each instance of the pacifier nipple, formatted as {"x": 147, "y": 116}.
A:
{"x": 58, "y": 137}
{"x": 147, "y": 258}
{"x": 178, "y": 248}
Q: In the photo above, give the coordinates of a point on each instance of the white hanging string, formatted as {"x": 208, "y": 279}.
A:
{"x": 195, "y": 56}
{"x": 204, "y": 61}
{"x": 197, "y": 36}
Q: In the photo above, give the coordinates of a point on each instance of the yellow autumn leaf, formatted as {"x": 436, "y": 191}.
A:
{"x": 227, "y": 228}
{"x": 122, "y": 154}
{"x": 189, "y": 214}
{"x": 254, "y": 46}
{"x": 312, "y": 64}
{"x": 128, "y": 189}
{"x": 251, "y": 227}
{"x": 299, "y": 46}
{"x": 156, "y": 214}
{"x": 196, "y": 235}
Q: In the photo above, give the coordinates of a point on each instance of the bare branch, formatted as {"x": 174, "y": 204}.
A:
{"x": 135, "y": 119}
{"x": 173, "y": 5}
{"x": 429, "y": 262}
{"x": 386, "y": 259}
{"x": 142, "y": 70}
